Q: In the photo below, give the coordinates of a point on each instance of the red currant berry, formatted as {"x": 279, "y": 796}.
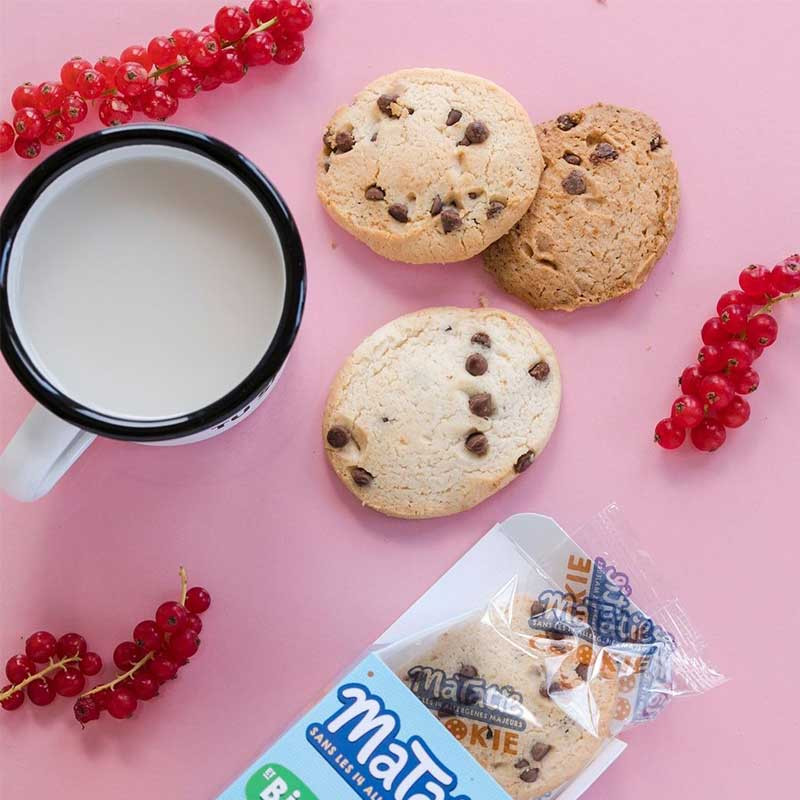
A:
{"x": 162, "y": 667}
{"x": 29, "y": 123}
{"x": 71, "y": 70}
{"x": 147, "y": 636}
{"x": 41, "y": 692}
{"x": 114, "y": 111}
{"x": 183, "y": 82}
{"x": 171, "y": 617}
{"x": 756, "y": 281}
{"x": 263, "y": 11}
{"x": 735, "y": 414}
{"x": 710, "y": 359}
{"x": 18, "y": 668}
{"x": 136, "y": 54}
{"x": 289, "y": 48}
{"x": 101, "y": 698}
{"x": 670, "y": 434}
{"x": 211, "y": 29}
{"x": 786, "y": 276}
{"x": 14, "y": 701}
{"x": 162, "y": 51}
{"x": 733, "y": 319}
{"x": 204, "y": 50}
{"x": 182, "y": 37}
{"x": 144, "y": 685}
{"x": 258, "y": 49}
{"x": 91, "y": 84}
{"x": 131, "y": 79}
{"x": 58, "y": 131}
{"x": 27, "y": 148}
{"x": 74, "y": 109}
{"x": 735, "y": 297}
{"x": 137, "y": 102}
{"x": 7, "y": 136}
{"x": 50, "y": 96}
{"x": 713, "y": 332}
{"x": 745, "y": 382}
{"x": 708, "y": 436}
{"x": 71, "y": 644}
{"x": 107, "y": 66}
{"x": 232, "y": 23}
{"x": 198, "y": 600}
{"x": 716, "y": 391}
{"x": 294, "y": 16}
{"x": 210, "y": 81}
{"x": 762, "y": 330}
{"x": 69, "y": 682}
{"x": 183, "y": 645}
{"x": 687, "y": 410}
{"x": 86, "y": 709}
{"x": 738, "y": 355}
{"x": 40, "y": 646}
{"x": 24, "y": 96}
{"x": 229, "y": 67}
{"x": 122, "y": 703}
{"x": 91, "y": 663}
{"x": 126, "y": 654}
{"x": 194, "y": 624}
{"x": 689, "y": 380}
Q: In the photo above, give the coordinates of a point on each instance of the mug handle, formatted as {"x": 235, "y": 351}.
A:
{"x": 42, "y": 450}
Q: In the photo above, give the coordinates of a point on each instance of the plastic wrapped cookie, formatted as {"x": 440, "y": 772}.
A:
{"x": 429, "y": 165}
{"x": 439, "y": 409}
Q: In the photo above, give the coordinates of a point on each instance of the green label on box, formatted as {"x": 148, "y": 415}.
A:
{"x": 275, "y": 782}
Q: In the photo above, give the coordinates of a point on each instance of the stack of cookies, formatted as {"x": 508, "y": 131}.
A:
{"x": 432, "y": 165}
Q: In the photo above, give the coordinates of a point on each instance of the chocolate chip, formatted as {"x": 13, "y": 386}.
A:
{"x": 374, "y": 137}
{"x": 448, "y": 329}
{"x": 473, "y": 195}
{"x": 537, "y": 607}
{"x": 345, "y": 141}
{"x": 656, "y": 142}
{"x": 436, "y": 206}
{"x": 467, "y": 671}
{"x": 361, "y": 477}
{"x": 603, "y": 152}
{"x": 566, "y": 122}
{"x": 540, "y": 370}
{"x": 574, "y": 183}
{"x": 476, "y": 132}
{"x": 495, "y": 209}
{"x": 477, "y": 443}
{"x": 463, "y": 143}
{"x": 385, "y": 104}
{"x": 446, "y": 710}
{"x": 476, "y": 364}
{"x": 399, "y": 212}
{"x": 571, "y": 158}
{"x": 583, "y": 671}
{"x": 524, "y": 461}
{"x": 540, "y": 750}
{"x": 374, "y": 193}
{"x": 482, "y": 339}
{"x": 453, "y": 117}
{"x": 522, "y": 763}
{"x": 529, "y": 775}
{"x": 451, "y": 219}
{"x": 338, "y": 436}
{"x": 481, "y": 405}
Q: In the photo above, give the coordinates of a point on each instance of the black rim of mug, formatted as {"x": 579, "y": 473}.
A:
{"x": 264, "y": 373}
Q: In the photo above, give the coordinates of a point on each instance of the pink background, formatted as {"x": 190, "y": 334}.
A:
{"x": 303, "y": 578}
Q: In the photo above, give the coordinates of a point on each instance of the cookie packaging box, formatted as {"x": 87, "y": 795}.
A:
{"x": 509, "y": 678}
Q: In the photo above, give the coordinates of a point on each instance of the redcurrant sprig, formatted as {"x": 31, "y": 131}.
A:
{"x": 159, "y": 648}
{"x": 712, "y": 400}
{"x": 153, "y": 80}
{"x": 68, "y": 663}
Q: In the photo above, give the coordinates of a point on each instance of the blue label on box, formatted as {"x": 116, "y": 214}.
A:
{"x": 369, "y": 737}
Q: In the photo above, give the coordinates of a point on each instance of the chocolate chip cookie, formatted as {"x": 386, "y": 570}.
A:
{"x": 605, "y": 211}
{"x": 532, "y": 710}
{"x": 429, "y": 165}
{"x": 439, "y": 409}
